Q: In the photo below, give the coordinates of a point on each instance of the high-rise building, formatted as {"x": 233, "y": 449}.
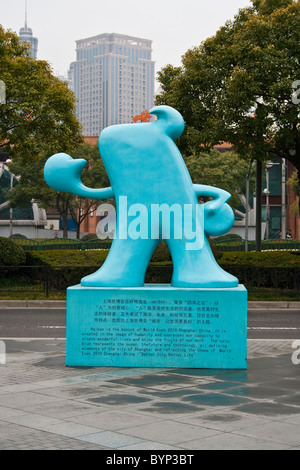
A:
{"x": 26, "y": 35}
{"x": 113, "y": 80}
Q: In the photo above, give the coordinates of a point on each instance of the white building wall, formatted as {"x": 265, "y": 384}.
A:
{"x": 113, "y": 79}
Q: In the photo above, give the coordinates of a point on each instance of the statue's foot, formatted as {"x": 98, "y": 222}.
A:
{"x": 214, "y": 279}
{"x": 99, "y": 280}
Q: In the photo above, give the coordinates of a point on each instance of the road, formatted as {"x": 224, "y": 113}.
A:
{"x": 32, "y": 323}
{"x": 274, "y": 324}
{"x": 51, "y": 323}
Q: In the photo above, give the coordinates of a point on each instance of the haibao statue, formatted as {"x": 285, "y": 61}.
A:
{"x": 148, "y": 173}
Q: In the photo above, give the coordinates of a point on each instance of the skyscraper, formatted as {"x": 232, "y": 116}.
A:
{"x": 113, "y": 80}
{"x": 26, "y": 35}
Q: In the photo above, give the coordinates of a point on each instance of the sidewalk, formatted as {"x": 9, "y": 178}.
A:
{"x": 44, "y": 405}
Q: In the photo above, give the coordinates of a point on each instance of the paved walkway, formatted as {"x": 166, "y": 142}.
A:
{"x": 44, "y": 405}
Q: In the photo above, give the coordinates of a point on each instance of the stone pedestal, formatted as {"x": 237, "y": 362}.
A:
{"x": 157, "y": 326}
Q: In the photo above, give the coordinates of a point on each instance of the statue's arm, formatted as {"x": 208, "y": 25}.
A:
{"x": 63, "y": 173}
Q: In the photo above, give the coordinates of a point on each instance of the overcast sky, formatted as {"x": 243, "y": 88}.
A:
{"x": 174, "y": 26}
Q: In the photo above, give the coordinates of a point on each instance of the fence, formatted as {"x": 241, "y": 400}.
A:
{"x": 237, "y": 244}
{"x": 62, "y": 244}
{"x": 223, "y": 245}
{"x": 45, "y": 279}
{"x": 50, "y": 279}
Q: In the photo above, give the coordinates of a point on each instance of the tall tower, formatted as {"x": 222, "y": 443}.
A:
{"x": 113, "y": 80}
{"x": 26, "y": 35}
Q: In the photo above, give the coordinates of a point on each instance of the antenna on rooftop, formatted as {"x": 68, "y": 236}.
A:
{"x": 25, "y": 13}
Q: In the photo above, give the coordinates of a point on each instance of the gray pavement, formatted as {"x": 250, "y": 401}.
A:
{"x": 47, "y": 406}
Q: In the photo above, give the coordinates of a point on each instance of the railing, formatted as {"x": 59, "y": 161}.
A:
{"x": 237, "y": 244}
{"x": 41, "y": 279}
{"x": 62, "y": 244}
{"x": 45, "y": 279}
{"x": 223, "y": 245}
{"x": 50, "y": 279}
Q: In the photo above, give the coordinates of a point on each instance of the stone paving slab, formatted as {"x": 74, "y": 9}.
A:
{"x": 45, "y": 405}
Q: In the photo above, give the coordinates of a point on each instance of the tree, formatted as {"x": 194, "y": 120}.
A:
{"x": 39, "y": 114}
{"x": 37, "y": 119}
{"x": 32, "y": 185}
{"x": 237, "y": 86}
{"x": 226, "y": 170}
{"x": 294, "y": 184}
{"x": 94, "y": 176}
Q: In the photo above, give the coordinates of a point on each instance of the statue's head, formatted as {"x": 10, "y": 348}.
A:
{"x": 123, "y": 139}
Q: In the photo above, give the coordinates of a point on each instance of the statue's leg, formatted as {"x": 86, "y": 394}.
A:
{"x": 125, "y": 265}
{"x": 197, "y": 268}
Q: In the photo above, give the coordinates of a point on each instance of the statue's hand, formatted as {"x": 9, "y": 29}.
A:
{"x": 63, "y": 173}
{"x": 218, "y": 215}
{"x": 217, "y": 221}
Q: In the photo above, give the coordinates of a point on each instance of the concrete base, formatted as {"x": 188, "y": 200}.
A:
{"x": 157, "y": 326}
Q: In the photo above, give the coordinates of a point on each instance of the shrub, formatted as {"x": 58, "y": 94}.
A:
{"x": 270, "y": 269}
{"x": 260, "y": 259}
{"x": 88, "y": 236}
{"x": 17, "y": 235}
{"x": 161, "y": 253}
{"x": 11, "y": 253}
{"x": 228, "y": 236}
{"x": 66, "y": 258}
{"x": 159, "y": 274}
{"x": 60, "y": 278}
{"x": 267, "y": 277}
{"x": 65, "y": 268}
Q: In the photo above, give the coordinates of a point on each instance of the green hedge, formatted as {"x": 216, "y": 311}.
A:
{"x": 278, "y": 269}
{"x": 162, "y": 255}
{"x": 261, "y": 259}
{"x": 66, "y": 258}
{"x": 11, "y": 253}
{"x": 266, "y": 269}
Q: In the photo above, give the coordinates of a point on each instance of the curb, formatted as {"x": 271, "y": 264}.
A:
{"x": 32, "y": 304}
{"x": 267, "y": 305}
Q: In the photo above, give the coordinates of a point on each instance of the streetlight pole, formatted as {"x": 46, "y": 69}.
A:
{"x": 10, "y": 210}
{"x": 283, "y": 201}
{"x": 267, "y": 193}
{"x": 247, "y": 207}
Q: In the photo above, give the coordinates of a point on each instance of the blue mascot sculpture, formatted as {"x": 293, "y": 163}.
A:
{"x": 146, "y": 170}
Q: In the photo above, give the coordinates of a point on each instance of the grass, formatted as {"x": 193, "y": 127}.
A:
{"x": 264, "y": 295}
{"x": 32, "y": 296}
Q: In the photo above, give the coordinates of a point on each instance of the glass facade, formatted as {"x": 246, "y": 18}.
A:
{"x": 20, "y": 213}
{"x": 272, "y": 206}
{"x": 113, "y": 80}
{"x": 26, "y": 35}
